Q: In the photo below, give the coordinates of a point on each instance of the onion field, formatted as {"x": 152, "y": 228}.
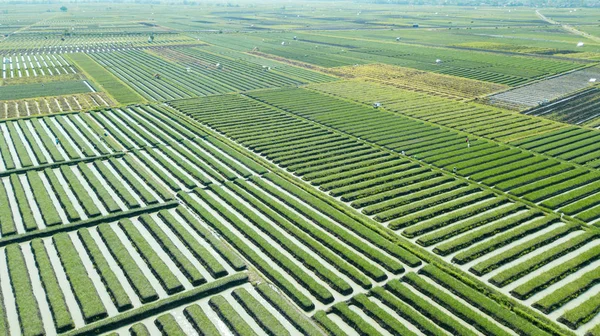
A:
{"x": 299, "y": 168}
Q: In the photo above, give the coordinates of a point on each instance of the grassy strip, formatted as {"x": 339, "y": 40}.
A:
{"x": 557, "y": 273}
{"x": 158, "y": 267}
{"x": 46, "y": 140}
{"x": 345, "y": 220}
{"x": 43, "y": 200}
{"x": 231, "y": 317}
{"x": 85, "y": 223}
{"x": 80, "y": 192}
{"x": 315, "y": 246}
{"x": 235, "y": 166}
{"x": 27, "y": 307}
{"x": 139, "y": 329}
{"x": 209, "y": 160}
{"x": 583, "y": 313}
{"x": 526, "y": 267}
{"x": 104, "y": 80}
{"x": 300, "y": 299}
{"x": 305, "y": 258}
{"x": 163, "y": 176}
{"x": 22, "y": 153}
{"x": 54, "y": 165}
{"x": 503, "y": 240}
{"x": 514, "y": 253}
{"x": 134, "y": 274}
{"x": 224, "y": 251}
{"x": 63, "y": 198}
{"x": 198, "y": 167}
{"x": 78, "y": 140}
{"x": 487, "y": 231}
{"x": 24, "y": 207}
{"x": 158, "y": 307}
{"x": 62, "y": 139}
{"x": 186, "y": 267}
{"x": 88, "y": 135}
{"x": 260, "y": 314}
{"x": 386, "y": 320}
{"x": 404, "y": 299}
{"x": 90, "y": 120}
{"x": 198, "y": 319}
{"x": 137, "y": 187}
{"x": 353, "y": 319}
{"x": 168, "y": 326}
{"x": 7, "y": 222}
{"x": 9, "y": 163}
{"x": 482, "y": 302}
{"x": 257, "y": 168}
{"x": 326, "y": 323}
{"x": 54, "y": 294}
{"x": 37, "y": 151}
{"x": 568, "y": 292}
{"x": 272, "y": 252}
{"x": 117, "y": 184}
{"x": 110, "y": 280}
{"x": 148, "y": 179}
{"x": 88, "y": 299}
{"x": 99, "y": 187}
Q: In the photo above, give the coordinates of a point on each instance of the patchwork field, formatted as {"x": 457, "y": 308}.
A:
{"x": 307, "y": 168}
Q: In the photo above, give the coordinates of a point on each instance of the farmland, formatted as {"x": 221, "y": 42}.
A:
{"x": 307, "y": 168}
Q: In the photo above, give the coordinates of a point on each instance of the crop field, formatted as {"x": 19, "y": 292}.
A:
{"x": 549, "y": 89}
{"x": 580, "y": 108}
{"x": 300, "y": 168}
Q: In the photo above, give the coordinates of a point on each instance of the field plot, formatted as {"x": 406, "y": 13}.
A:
{"x": 580, "y": 108}
{"x": 429, "y": 302}
{"x": 49, "y": 105}
{"x": 12, "y": 92}
{"x": 432, "y": 209}
{"x": 481, "y": 120}
{"x": 86, "y": 42}
{"x": 548, "y": 89}
{"x": 34, "y": 65}
{"x": 194, "y": 73}
{"x": 421, "y": 81}
{"x": 333, "y": 51}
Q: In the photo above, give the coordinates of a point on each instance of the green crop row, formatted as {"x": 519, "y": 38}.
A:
{"x": 148, "y": 179}
{"x": 568, "y": 292}
{"x": 134, "y": 274}
{"x": 204, "y": 165}
{"x": 482, "y": 302}
{"x": 158, "y": 307}
{"x": 198, "y": 319}
{"x": 345, "y": 220}
{"x": 7, "y": 221}
{"x": 516, "y": 252}
{"x": 39, "y": 155}
{"x": 386, "y": 262}
{"x": 81, "y": 194}
{"x": 46, "y": 141}
{"x": 117, "y": 184}
{"x": 467, "y": 223}
{"x": 353, "y": 319}
{"x": 517, "y": 271}
{"x": 503, "y": 240}
{"x": 22, "y": 153}
{"x": 559, "y": 188}
{"x": 386, "y": 320}
{"x": 138, "y": 188}
{"x": 260, "y": 314}
{"x": 27, "y": 307}
{"x": 61, "y": 195}
{"x": 110, "y": 280}
{"x": 64, "y": 142}
{"x": 273, "y": 252}
{"x": 557, "y": 273}
{"x": 79, "y": 142}
{"x": 581, "y": 314}
{"x": 430, "y": 208}
{"x": 9, "y": 163}
{"x": 574, "y": 196}
{"x": 184, "y": 265}
{"x": 490, "y": 230}
{"x": 173, "y": 169}
{"x": 243, "y": 189}
{"x": 300, "y": 299}
{"x": 230, "y": 316}
{"x": 168, "y": 326}
{"x": 158, "y": 267}
{"x": 99, "y": 187}
{"x": 206, "y": 259}
{"x": 24, "y": 207}
{"x": 403, "y": 300}
{"x": 43, "y": 200}
{"x": 240, "y": 169}
{"x": 139, "y": 329}
{"x": 54, "y": 295}
{"x": 85, "y": 292}
{"x": 197, "y": 168}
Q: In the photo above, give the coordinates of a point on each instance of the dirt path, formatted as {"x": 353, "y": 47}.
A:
{"x": 568, "y": 28}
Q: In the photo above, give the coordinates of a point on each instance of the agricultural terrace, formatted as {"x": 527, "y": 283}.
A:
{"x": 307, "y": 168}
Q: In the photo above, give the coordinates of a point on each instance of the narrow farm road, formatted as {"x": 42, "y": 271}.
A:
{"x": 568, "y": 28}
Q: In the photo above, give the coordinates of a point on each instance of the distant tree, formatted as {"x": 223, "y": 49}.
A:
{"x": 63, "y": 9}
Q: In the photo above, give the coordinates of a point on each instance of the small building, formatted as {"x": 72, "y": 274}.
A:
{"x": 376, "y": 105}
